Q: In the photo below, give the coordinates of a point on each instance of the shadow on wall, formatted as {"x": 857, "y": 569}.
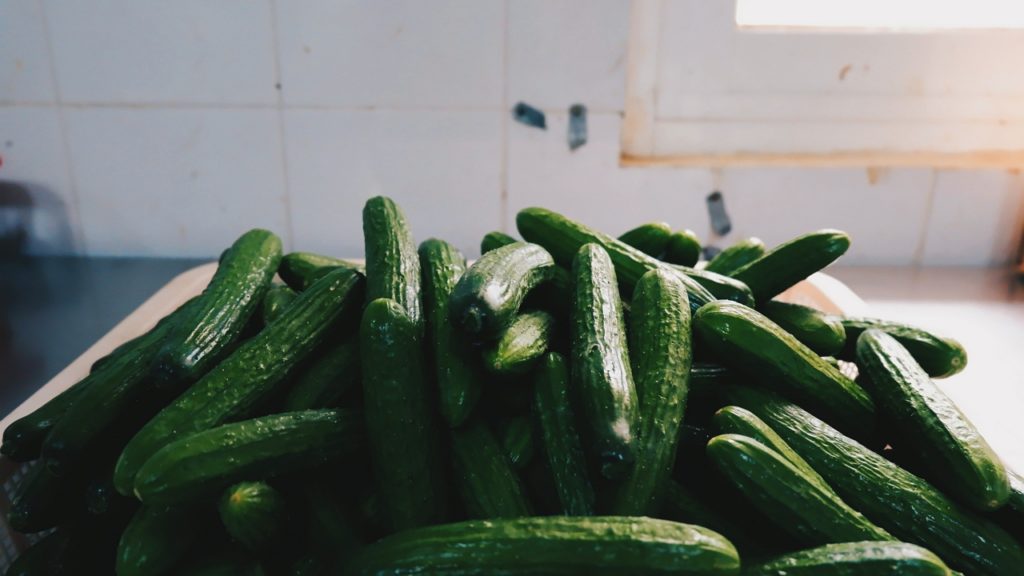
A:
{"x": 32, "y": 211}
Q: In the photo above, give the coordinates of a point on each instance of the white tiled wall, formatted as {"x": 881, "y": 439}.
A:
{"x": 161, "y": 128}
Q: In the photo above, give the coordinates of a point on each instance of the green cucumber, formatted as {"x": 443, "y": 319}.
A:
{"x": 517, "y": 441}
{"x": 553, "y": 545}
{"x": 206, "y": 462}
{"x": 494, "y": 240}
{"x": 797, "y": 503}
{"x": 228, "y": 563}
{"x": 556, "y": 294}
{"x": 651, "y": 238}
{"x": 820, "y": 332}
{"x": 854, "y": 559}
{"x": 399, "y": 421}
{"x": 559, "y": 437}
{"x": 682, "y": 504}
{"x": 251, "y": 374}
{"x": 661, "y": 358}
{"x": 330, "y": 377}
{"x": 736, "y": 256}
{"x": 939, "y": 356}
{"x": 455, "y": 362}
{"x": 1011, "y": 516}
{"x": 488, "y": 296}
{"x": 332, "y": 532}
{"x": 300, "y": 270}
{"x": 753, "y": 343}
{"x": 44, "y": 500}
{"x": 148, "y": 337}
{"x": 156, "y": 539}
{"x": 392, "y": 264}
{"x": 930, "y": 425}
{"x": 277, "y": 298}
{"x": 683, "y": 248}
{"x": 721, "y": 287}
{"x": 600, "y": 362}
{"x": 521, "y": 343}
{"x": 234, "y": 294}
{"x": 23, "y": 438}
{"x": 789, "y": 263}
{"x": 254, "y": 514}
{"x": 487, "y": 483}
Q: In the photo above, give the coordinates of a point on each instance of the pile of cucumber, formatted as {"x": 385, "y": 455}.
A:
{"x": 570, "y": 403}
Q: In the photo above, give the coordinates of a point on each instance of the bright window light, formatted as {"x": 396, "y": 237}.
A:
{"x": 882, "y": 14}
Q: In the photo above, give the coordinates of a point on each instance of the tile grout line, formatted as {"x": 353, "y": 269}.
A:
{"x": 282, "y": 131}
{"x": 503, "y": 173}
{"x": 928, "y": 207}
{"x": 260, "y": 106}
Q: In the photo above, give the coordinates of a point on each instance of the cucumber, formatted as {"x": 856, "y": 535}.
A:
{"x": 1011, "y": 516}
{"x": 661, "y": 358}
{"x": 682, "y": 504}
{"x": 487, "y": 483}
{"x": 651, "y": 238}
{"x": 791, "y": 262}
{"x": 563, "y": 238}
{"x": 719, "y": 286}
{"x": 156, "y": 539}
{"x": 517, "y": 441}
{"x": 521, "y": 343}
{"x": 820, "y": 332}
{"x": 300, "y": 270}
{"x": 250, "y": 375}
{"x": 753, "y": 343}
{"x": 559, "y": 437}
{"x": 939, "y": 356}
{"x": 854, "y": 559}
{"x": 234, "y": 294}
{"x": 683, "y": 248}
{"x": 229, "y": 563}
{"x": 930, "y": 425}
{"x": 488, "y": 296}
{"x": 331, "y": 531}
{"x": 277, "y": 298}
{"x": 552, "y": 545}
{"x": 557, "y": 293}
{"x": 392, "y": 264}
{"x": 39, "y": 558}
{"x": 894, "y": 499}
{"x": 736, "y": 256}
{"x": 23, "y": 438}
{"x": 399, "y": 421}
{"x": 43, "y": 500}
{"x": 331, "y": 377}
{"x": 600, "y": 362}
{"x": 255, "y": 515}
{"x": 796, "y": 503}
{"x": 455, "y": 362}
{"x": 494, "y": 240}
{"x": 206, "y": 462}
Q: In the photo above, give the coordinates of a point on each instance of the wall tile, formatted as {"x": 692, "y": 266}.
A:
{"x": 24, "y": 56}
{"x": 176, "y": 182}
{"x": 189, "y": 51}
{"x": 443, "y": 168}
{"x": 397, "y": 53}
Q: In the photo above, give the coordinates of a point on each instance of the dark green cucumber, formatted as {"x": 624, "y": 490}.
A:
{"x": 791, "y": 262}
{"x": 683, "y": 248}
{"x": 330, "y": 377}
{"x": 563, "y": 238}
{"x": 488, "y": 296}
{"x": 820, "y": 332}
{"x": 721, "y": 287}
{"x": 894, "y": 499}
{"x": 517, "y": 441}
{"x": 156, "y": 539}
{"x": 400, "y": 424}
{"x": 854, "y": 559}
{"x": 224, "y": 563}
{"x": 600, "y": 362}
{"x": 392, "y": 264}
{"x": 255, "y": 515}
{"x": 521, "y": 343}
{"x": 1011, "y": 516}
{"x": 494, "y": 240}
{"x": 746, "y": 339}
{"x": 797, "y": 503}
{"x": 148, "y": 337}
{"x": 651, "y": 238}
{"x": 234, "y": 294}
{"x": 939, "y": 356}
{"x": 661, "y": 358}
{"x": 929, "y": 424}
{"x": 559, "y": 437}
{"x": 251, "y": 374}
{"x": 206, "y": 462}
{"x": 736, "y": 256}
{"x": 611, "y": 545}
{"x": 682, "y": 504}
{"x": 23, "y": 438}
{"x": 300, "y": 270}
{"x": 487, "y": 483}
{"x": 455, "y": 361}
{"x": 332, "y": 533}
{"x": 277, "y": 298}
{"x": 43, "y": 500}
{"x": 39, "y": 558}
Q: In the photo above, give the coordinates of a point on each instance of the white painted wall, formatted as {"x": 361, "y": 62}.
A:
{"x": 148, "y": 128}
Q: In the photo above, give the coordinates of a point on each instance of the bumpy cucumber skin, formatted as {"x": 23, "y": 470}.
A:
{"x": 517, "y": 441}
{"x": 254, "y": 513}
{"x": 255, "y": 370}
{"x": 521, "y": 343}
{"x": 488, "y": 296}
{"x": 156, "y": 539}
{"x": 23, "y": 438}
{"x": 736, "y": 256}
{"x": 1011, "y": 516}
{"x": 661, "y": 357}
{"x": 791, "y": 262}
{"x": 683, "y": 248}
{"x": 399, "y": 421}
{"x": 559, "y": 436}
{"x": 855, "y": 559}
{"x": 938, "y": 356}
{"x": 821, "y": 332}
{"x": 651, "y": 238}
{"x": 553, "y": 545}
{"x": 600, "y": 365}
{"x": 929, "y": 424}
{"x": 751, "y": 342}
{"x": 329, "y": 378}
{"x": 455, "y": 362}
{"x": 494, "y": 240}
{"x": 392, "y": 264}
{"x": 487, "y": 483}
{"x": 275, "y": 301}
{"x": 300, "y": 270}
{"x": 720, "y": 286}
{"x": 682, "y": 504}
